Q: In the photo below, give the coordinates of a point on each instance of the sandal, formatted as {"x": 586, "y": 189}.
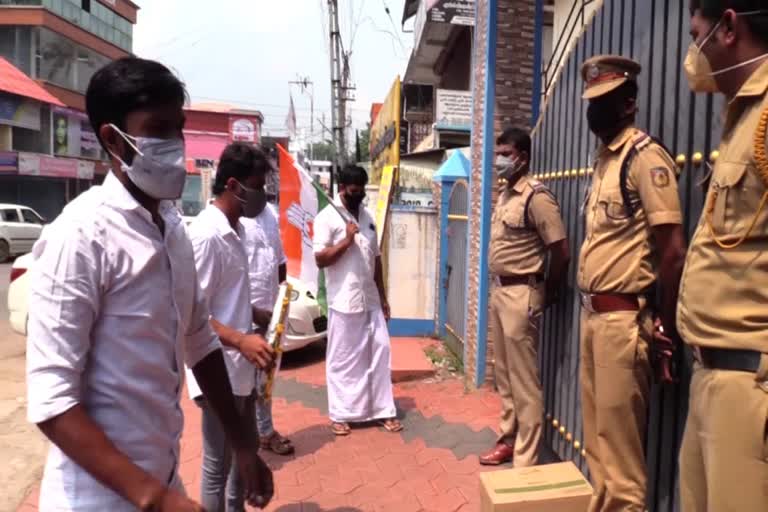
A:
{"x": 340, "y": 429}
{"x": 277, "y": 444}
{"x": 392, "y": 425}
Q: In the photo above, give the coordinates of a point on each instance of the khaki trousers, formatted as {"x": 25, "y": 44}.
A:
{"x": 514, "y": 324}
{"x": 615, "y": 386}
{"x": 724, "y": 456}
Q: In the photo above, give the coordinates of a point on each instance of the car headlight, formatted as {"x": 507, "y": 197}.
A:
{"x": 294, "y": 295}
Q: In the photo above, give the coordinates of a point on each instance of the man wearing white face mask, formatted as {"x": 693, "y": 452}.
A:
{"x": 526, "y": 227}
{"x": 218, "y": 239}
{"x": 723, "y": 293}
{"x": 115, "y": 312}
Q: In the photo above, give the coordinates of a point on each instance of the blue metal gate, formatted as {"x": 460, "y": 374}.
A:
{"x": 455, "y": 319}
{"x": 655, "y": 33}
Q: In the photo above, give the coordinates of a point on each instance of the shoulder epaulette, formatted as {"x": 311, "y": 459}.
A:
{"x": 538, "y": 187}
{"x": 640, "y": 141}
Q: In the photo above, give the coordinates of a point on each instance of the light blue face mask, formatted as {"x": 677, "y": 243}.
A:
{"x": 158, "y": 167}
{"x": 507, "y": 167}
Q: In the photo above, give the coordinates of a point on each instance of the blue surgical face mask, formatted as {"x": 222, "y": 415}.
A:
{"x": 508, "y": 167}
{"x": 158, "y": 167}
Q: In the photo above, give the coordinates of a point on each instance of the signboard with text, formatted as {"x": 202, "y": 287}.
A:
{"x": 9, "y": 161}
{"x": 385, "y": 134}
{"x": 243, "y": 130}
{"x": 31, "y": 164}
{"x": 456, "y": 12}
{"x": 73, "y": 134}
{"x": 384, "y": 200}
{"x": 453, "y": 109}
{"x": 16, "y": 111}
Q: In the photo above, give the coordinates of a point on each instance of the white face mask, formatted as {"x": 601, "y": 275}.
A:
{"x": 158, "y": 167}
{"x": 701, "y": 78}
{"x": 507, "y": 167}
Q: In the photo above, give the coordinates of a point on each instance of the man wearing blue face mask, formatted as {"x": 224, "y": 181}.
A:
{"x": 218, "y": 239}
{"x": 116, "y": 311}
{"x": 527, "y": 226}
{"x": 721, "y": 310}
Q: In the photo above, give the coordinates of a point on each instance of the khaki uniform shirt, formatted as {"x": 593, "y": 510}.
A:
{"x": 618, "y": 255}
{"x": 724, "y": 292}
{"x": 517, "y": 248}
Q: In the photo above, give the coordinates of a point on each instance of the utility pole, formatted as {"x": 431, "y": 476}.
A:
{"x": 305, "y": 83}
{"x": 339, "y": 86}
{"x": 337, "y": 107}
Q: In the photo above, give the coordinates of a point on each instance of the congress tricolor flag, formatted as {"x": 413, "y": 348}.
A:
{"x": 301, "y": 199}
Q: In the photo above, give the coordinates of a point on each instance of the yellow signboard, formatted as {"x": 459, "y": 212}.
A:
{"x": 385, "y": 134}
{"x": 384, "y": 199}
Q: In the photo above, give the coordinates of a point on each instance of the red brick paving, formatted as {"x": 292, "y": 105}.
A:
{"x": 370, "y": 470}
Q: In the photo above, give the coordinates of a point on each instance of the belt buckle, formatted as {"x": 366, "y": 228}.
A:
{"x": 586, "y": 302}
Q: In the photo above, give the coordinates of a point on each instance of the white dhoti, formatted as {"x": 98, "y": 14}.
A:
{"x": 358, "y": 367}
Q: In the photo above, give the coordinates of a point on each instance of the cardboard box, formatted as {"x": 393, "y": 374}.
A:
{"x": 549, "y": 488}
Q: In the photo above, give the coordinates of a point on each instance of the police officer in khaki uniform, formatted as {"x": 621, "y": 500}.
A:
{"x": 526, "y": 227}
{"x": 723, "y": 308}
{"x": 633, "y": 240}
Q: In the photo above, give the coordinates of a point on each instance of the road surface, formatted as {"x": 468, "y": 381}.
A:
{"x": 22, "y": 447}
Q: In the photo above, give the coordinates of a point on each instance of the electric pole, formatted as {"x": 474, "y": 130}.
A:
{"x": 339, "y": 86}
{"x": 305, "y": 83}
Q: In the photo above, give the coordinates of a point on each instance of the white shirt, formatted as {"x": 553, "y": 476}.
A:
{"x": 350, "y": 281}
{"x": 114, "y": 312}
{"x": 265, "y": 255}
{"x": 222, "y": 269}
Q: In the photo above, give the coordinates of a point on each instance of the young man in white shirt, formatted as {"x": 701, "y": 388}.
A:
{"x": 218, "y": 238}
{"x": 266, "y": 270}
{"x": 115, "y": 311}
{"x": 358, "y": 359}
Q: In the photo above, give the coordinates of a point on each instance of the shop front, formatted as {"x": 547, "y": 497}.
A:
{"x": 45, "y": 183}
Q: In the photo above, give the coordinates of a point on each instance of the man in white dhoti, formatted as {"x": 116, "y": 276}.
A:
{"x": 358, "y": 359}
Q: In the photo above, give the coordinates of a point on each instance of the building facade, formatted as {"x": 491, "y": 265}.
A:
{"x": 50, "y": 152}
{"x": 210, "y": 127}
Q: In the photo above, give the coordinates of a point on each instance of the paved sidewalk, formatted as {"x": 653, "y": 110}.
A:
{"x": 430, "y": 466}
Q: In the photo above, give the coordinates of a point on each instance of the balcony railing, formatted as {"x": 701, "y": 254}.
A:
{"x": 577, "y": 19}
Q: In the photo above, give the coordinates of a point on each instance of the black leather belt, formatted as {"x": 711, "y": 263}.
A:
{"x": 736, "y": 360}
{"x": 529, "y": 279}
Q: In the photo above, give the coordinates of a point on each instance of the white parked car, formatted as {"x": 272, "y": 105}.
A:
{"x": 306, "y": 322}
{"x": 20, "y": 227}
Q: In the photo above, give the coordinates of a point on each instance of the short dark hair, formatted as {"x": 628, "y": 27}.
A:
{"x": 127, "y": 85}
{"x": 713, "y": 10}
{"x": 353, "y": 175}
{"x": 239, "y": 160}
{"x": 517, "y": 137}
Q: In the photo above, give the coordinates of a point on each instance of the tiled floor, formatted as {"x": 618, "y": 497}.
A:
{"x": 430, "y": 466}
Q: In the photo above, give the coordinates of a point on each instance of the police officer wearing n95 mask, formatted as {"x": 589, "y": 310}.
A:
{"x": 724, "y": 289}
{"x": 633, "y": 239}
{"x": 526, "y": 227}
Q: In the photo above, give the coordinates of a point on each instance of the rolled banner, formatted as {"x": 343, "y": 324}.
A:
{"x": 274, "y": 337}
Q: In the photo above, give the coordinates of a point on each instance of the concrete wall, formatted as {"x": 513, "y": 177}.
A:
{"x": 413, "y": 249}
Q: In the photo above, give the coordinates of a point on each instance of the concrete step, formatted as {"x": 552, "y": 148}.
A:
{"x": 409, "y": 361}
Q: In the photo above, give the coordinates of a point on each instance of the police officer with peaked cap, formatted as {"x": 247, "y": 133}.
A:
{"x": 633, "y": 244}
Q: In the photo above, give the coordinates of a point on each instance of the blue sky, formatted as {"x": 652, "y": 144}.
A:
{"x": 244, "y": 52}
